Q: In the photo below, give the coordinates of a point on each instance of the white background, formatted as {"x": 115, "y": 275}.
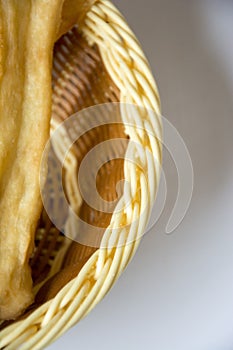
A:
{"x": 177, "y": 294}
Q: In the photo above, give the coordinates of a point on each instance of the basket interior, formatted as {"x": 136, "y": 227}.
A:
{"x": 79, "y": 80}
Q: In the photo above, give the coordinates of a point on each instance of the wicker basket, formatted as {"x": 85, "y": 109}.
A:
{"x": 99, "y": 61}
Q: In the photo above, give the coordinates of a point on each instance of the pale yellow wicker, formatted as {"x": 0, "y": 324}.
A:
{"x": 123, "y": 61}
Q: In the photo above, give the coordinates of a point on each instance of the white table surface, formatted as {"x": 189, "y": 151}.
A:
{"x": 177, "y": 294}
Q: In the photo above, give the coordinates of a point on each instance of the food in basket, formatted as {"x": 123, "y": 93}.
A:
{"x": 96, "y": 62}
{"x": 28, "y": 30}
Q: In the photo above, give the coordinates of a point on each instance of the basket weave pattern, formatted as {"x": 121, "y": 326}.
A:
{"x": 126, "y": 65}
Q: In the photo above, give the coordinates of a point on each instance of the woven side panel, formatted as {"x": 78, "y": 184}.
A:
{"x": 80, "y": 80}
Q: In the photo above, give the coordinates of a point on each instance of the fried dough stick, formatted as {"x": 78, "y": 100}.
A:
{"x": 28, "y": 29}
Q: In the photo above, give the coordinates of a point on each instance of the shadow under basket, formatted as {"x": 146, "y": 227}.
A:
{"x": 98, "y": 63}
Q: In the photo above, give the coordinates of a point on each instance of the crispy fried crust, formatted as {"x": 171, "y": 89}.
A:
{"x": 27, "y": 33}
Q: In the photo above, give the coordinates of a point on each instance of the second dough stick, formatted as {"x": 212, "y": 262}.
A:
{"x": 27, "y": 33}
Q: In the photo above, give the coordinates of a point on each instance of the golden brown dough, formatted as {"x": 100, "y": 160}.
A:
{"x": 28, "y": 29}
{"x": 73, "y": 12}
